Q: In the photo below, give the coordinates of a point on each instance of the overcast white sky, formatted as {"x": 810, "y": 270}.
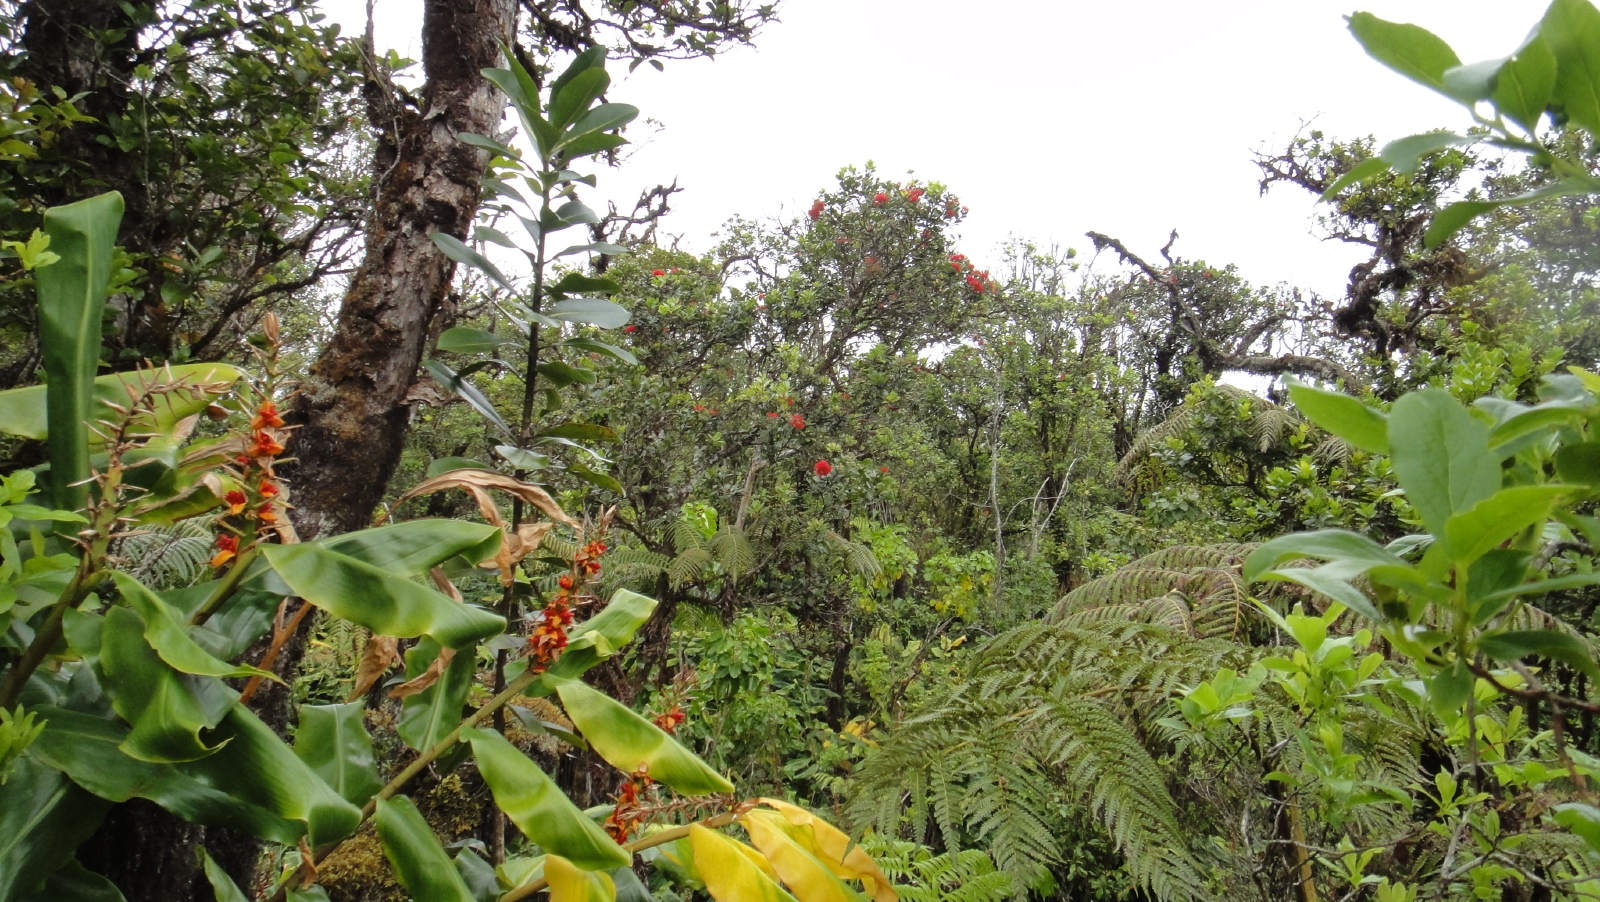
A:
{"x": 1047, "y": 118}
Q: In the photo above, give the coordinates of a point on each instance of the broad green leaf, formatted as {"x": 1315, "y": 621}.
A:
{"x": 575, "y": 212}
{"x": 72, "y": 300}
{"x": 446, "y": 464}
{"x": 600, "y": 347}
{"x": 43, "y": 820}
{"x": 594, "y": 142}
{"x": 1526, "y": 83}
{"x": 1342, "y": 415}
{"x": 1410, "y": 50}
{"x": 1450, "y": 688}
{"x": 629, "y": 887}
{"x": 488, "y": 144}
{"x": 419, "y": 861}
{"x": 376, "y": 599}
{"x": 75, "y": 882}
{"x": 1498, "y": 518}
{"x": 1581, "y": 819}
{"x": 1579, "y": 464}
{"x": 578, "y": 283}
{"x": 333, "y": 741}
{"x": 464, "y": 340}
{"x": 1470, "y": 83}
{"x": 594, "y": 247}
{"x": 1333, "y": 585}
{"x": 1406, "y": 154}
{"x": 1366, "y": 170}
{"x": 23, "y": 410}
{"x": 632, "y": 744}
{"x": 169, "y": 637}
{"x": 1514, "y": 645}
{"x": 1441, "y": 456}
{"x": 451, "y": 381}
{"x": 414, "y": 547}
{"x": 539, "y": 808}
{"x": 494, "y": 236}
{"x": 730, "y": 875}
{"x": 595, "y": 311}
{"x": 602, "y": 635}
{"x": 1498, "y": 574}
{"x": 1528, "y": 421}
{"x": 604, "y": 118}
{"x": 85, "y": 747}
{"x": 430, "y": 715}
{"x": 255, "y": 767}
{"x": 522, "y": 458}
{"x": 592, "y": 58}
{"x": 461, "y": 253}
{"x": 1572, "y": 30}
{"x": 222, "y": 886}
{"x": 478, "y": 875}
{"x": 167, "y": 709}
{"x": 834, "y": 848}
{"x": 805, "y": 875}
{"x": 1455, "y": 216}
{"x": 562, "y": 375}
{"x": 576, "y": 96}
{"x": 596, "y": 478}
{"x": 1323, "y": 544}
{"x": 570, "y": 883}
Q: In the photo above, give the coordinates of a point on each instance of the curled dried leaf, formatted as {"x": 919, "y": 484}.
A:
{"x": 477, "y": 483}
{"x": 382, "y": 653}
{"x": 426, "y": 678}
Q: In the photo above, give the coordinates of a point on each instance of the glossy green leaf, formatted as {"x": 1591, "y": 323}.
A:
{"x": 1492, "y": 581}
{"x": 461, "y": 253}
{"x": 578, "y": 283}
{"x": 446, "y": 464}
{"x": 333, "y": 741}
{"x": 593, "y": 247}
{"x": 72, "y": 881}
{"x": 1514, "y": 645}
{"x": 1470, "y": 83}
{"x": 167, "y": 709}
{"x": 577, "y": 95}
{"x": 451, "y": 381}
{"x": 419, "y": 861}
{"x": 23, "y": 411}
{"x": 167, "y": 634}
{"x": 594, "y": 142}
{"x": 591, "y": 58}
{"x": 729, "y": 873}
{"x": 489, "y": 144}
{"x": 1498, "y": 518}
{"x": 222, "y": 886}
{"x": 1342, "y": 415}
{"x": 570, "y": 883}
{"x": 43, "y": 820}
{"x": 539, "y": 808}
{"x": 1572, "y": 30}
{"x": 1450, "y": 688}
{"x": 430, "y": 715}
{"x": 522, "y": 458}
{"x": 806, "y": 875}
{"x": 562, "y": 375}
{"x": 72, "y": 299}
{"x": 1366, "y": 170}
{"x": 464, "y": 340}
{"x": 1528, "y": 421}
{"x": 602, "y": 635}
{"x": 1583, "y": 820}
{"x": 1406, "y": 154}
{"x": 1323, "y": 544}
{"x": 575, "y": 212}
{"x": 374, "y": 598}
{"x": 1455, "y": 216}
{"x": 478, "y": 875}
{"x": 1410, "y": 50}
{"x": 596, "y": 478}
{"x": 1441, "y": 455}
{"x": 594, "y": 311}
{"x": 1526, "y": 83}
{"x": 600, "y": 347}
{"x": 632, "y": 744}
{"x": 1579, "y": 464}
{"x": 603, "y": 118}
{"x": 255, "y": 767}
{"x": 1333, "y": 584}
{"x": 414, "y": 547}
{"x": 85, "y": 747}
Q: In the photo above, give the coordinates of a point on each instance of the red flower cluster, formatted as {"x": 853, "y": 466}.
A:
{"x": 797, "y": 421}
{"x": 976, "y": 279}
{"x": 658, "y": 272}
{"x": 816, "y": 210}
{"x": 915, "y": 194}
{"x": 629, "y": 810}
{"x": 261, "y": 512}
{"x": 774, "y": 414}
{"x": 549, "y": 635}
{"x": 880, "y": 198}
{"x": 669, "y": 719}
{"x": 822, "y": 468}
{"x": 630, "y": 328}
{"x": 227, "y": 548}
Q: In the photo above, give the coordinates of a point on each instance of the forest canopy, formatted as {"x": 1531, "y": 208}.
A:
{"x": 380, "y": 520}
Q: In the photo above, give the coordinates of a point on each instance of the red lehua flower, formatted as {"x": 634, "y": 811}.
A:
{"x": 267, "y": 415}
{"x": 630, "y": 328}
{"x": 816, "y": 210}
{"x": 774, "y": 414}
{"x": 797, "y": 421}
{"x": 236, "y": 501}
{"x": 880, "y": 198}
{"x": 883, "y": 469}
{"x": 915, "y": 194}
{"x": 658, "y": 272}
{"x": 822, "y": 468}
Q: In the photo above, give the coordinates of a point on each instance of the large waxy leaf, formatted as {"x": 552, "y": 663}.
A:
{"x": 1572, "y": 30}
{"x": 595, "y": 311}
{"x": 602, "y": 635}
{"x": 85, "y": 748}
{"x": 834, "y": 848}
{"x": 166, "y": 708}
{"x": 1441, "y": 456}
{"x": 570, "y": 883}
{"x": 804, "y": 874}
{"x": 1323, "y": 544}
{"x": 1343, "y": 416}
{"x": 453, "y": 381}
{"x": 43, "y": 819}
{"x": 1411, "y": 50}
{"x": 1498, "y": 518}
{"x": 333, "y": 741}
{"x": 603, "y": 118}
{"x": 414, "y": 547}
{"x": 1516, "y": 644}
{"x": 23, "y": 411}
{"x": 466, "y": 340}
{"x": 576, "y": 96}
{"x": 730, "y": 875}
{"x": 430, "y": 715}
{"x": 632, "y": 744}
{"x": 222, "y": 886}
{"x": 419, "y": 860}
{"x": 1526, "y": 82}
{"x": 72, "y": 299}
{"x": 372, "y": 597}
{"x": 75, "y": 882}
{"x": 538, "y": 806}
{"x": 257, "y": 768}
{"x": 461, "y": 253}
{"x": 600, "y": 347}
{"x": 169, "y": 637}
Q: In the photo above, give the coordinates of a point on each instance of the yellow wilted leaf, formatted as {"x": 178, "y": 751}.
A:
{"x": 801, "y": 871}
{"x": 730, "y": 871}
{"x": 569, "y": 883}
{"x": 833, "y": 847}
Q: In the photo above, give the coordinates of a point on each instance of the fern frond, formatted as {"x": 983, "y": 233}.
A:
{"x": 733, "y": 551}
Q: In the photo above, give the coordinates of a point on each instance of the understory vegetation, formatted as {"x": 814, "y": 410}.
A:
{"x": 379, "y": 521}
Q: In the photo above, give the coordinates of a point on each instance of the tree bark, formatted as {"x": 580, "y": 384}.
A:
{"x": 352, "y": 409}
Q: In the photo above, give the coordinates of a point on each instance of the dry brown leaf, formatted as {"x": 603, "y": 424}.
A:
{"x": 476, "y": 482}
{"x": 427, "y": 678}
{"x": 382, "y": 653}
{"x": 519, "y": 545}
{"x": 445, "y": 585}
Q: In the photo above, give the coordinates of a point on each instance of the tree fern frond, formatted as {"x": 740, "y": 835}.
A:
{"x": 733, "y": 550}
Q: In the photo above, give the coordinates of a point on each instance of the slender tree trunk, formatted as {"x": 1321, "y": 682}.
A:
{"x": 352, "y": 409}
